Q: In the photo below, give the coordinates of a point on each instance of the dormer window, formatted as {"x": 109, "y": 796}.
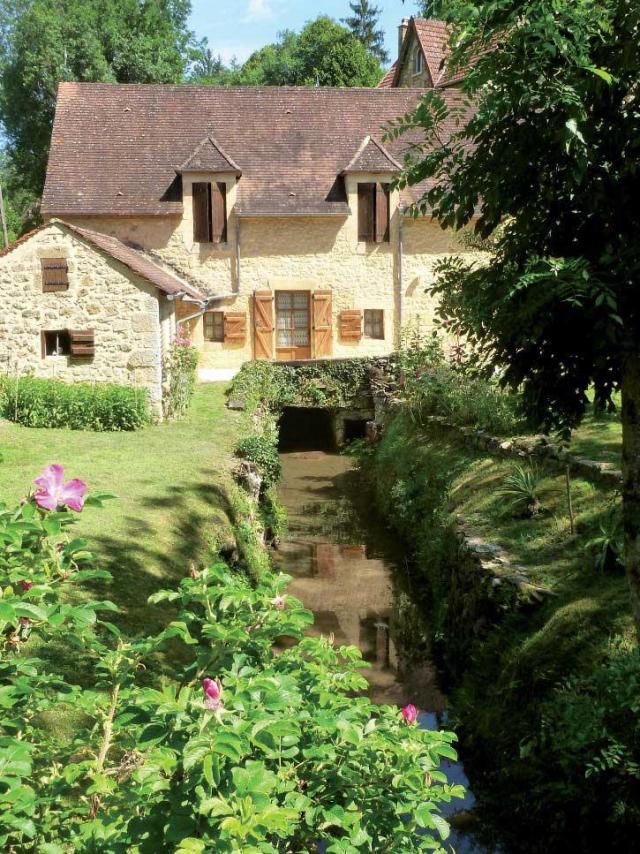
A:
{"x": 373, "y": 212}
{"x": 418, "y": 61}
{"x": 209, "y": 212}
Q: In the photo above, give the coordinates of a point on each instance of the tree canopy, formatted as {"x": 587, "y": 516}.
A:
{"x": 324, "y": 53}
{"x": 549, "y": 163}
{"x": 45, "y": 41}
{"x": 363, "y": 23}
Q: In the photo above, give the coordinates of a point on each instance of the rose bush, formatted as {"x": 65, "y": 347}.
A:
{"x": 257, "y": 739}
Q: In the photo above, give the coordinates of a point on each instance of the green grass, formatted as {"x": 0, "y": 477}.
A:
{"x": 171, "y": 485}
{"x": 599, "y": 438}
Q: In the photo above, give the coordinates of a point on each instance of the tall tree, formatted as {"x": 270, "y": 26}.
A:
{"x": 324, "y": 53}
{"x": 550, "y": 161}
{"x": 47, "y": 41}
{"x": 363, "y": 23}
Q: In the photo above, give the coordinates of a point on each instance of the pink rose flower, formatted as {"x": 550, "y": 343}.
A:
{"x": 410, "y": 713}
{"x": 212, "y": 694}
{"x": 279, "y": 603}
{"x": 26, "y": 585}
{"x": 52, "y": 492}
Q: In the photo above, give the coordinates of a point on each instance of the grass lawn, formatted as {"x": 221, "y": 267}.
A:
{"x": 599, "y": 438}
{"x": 169, "y": 480}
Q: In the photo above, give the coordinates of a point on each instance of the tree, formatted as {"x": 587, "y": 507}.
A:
{"x": 324, "y": 53}
{"x": 207, "y": 69}
{"x": 125, "y": 41}
{"x": 363, "y": 23}
{"x": 549, "y": 160}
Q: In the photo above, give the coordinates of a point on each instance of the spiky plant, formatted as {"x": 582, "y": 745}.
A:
{"x": 521, "y": 488}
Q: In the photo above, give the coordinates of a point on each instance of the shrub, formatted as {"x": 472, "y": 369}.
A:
{"x": 262, "y": 451}
{"x": 180, "y": 371}
{"x": 455, "y": 390}
{"x": 521, "y": 488}
{"x": 50, "y": 403}
{"x": 241, "y": 747}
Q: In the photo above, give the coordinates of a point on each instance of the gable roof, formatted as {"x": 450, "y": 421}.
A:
{"x": 389, "y": 77}
{"x": 115, "y": 147}
{"x": 372, "y": 156}
{"x": 433, "y": 38}
{"x": 136, "y": 261}
{"x": 209, "y": 157}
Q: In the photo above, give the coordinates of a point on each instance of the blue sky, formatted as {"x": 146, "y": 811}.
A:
{"x": 238, "y": 27}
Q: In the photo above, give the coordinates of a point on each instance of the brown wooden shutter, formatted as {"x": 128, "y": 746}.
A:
{"x": 322, "y": 337}
{"x": 351, "y": 325}
{"x": 366, "y": 213}
{"x": 263, "y": 324}
{"x": 55, "y": 275}
{"x": 382, "y": 213}
{"x": 82, "y": 342}
{"x": 219, "y": 212}
{"x": 201, "y": 195}
{"x": 235, "y": 327}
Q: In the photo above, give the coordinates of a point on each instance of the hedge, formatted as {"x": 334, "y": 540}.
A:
{"x": 101, "y": 407}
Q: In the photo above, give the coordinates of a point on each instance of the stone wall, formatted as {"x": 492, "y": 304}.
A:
{"x": 103, "y": 295}
{"x": 407, "y": 78}
{"x": 300, "y": 253}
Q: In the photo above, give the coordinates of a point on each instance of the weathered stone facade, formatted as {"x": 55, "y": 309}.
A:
{"x": 131, "y": 319}
{"x": 298, "y": 253}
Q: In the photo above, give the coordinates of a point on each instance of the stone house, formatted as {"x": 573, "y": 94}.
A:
{"x": 422, "y": 56}
{"x": 264, "y": 220}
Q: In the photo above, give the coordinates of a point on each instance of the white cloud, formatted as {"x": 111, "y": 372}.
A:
{"x": 258, "y": 10}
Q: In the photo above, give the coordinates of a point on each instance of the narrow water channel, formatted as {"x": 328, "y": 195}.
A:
{"x": 347, "y": 569}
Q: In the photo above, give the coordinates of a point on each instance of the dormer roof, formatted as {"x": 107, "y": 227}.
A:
{"x": 372, "y": 156}
{"x": 208, "y": 156}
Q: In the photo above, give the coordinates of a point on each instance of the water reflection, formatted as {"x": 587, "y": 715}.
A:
{"x": 345, "y": 568}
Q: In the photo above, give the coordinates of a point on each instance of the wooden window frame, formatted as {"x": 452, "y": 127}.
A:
{"x": 213, "y": 326}
{"x": 374, "y": 226}
{"x": 418, "y": 61}
{"x": 55, "y": 275}
{"x": 209, "y": 200}
{"x": 45, "y": 337}
{"x": 370, "y": 323}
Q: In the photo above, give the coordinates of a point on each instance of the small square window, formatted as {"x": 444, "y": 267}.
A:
{"x": 56, "y": 343}
{"x": 374, "y": 323}
{"x": 214, "y": 326}
{"x": 55, "y": 275}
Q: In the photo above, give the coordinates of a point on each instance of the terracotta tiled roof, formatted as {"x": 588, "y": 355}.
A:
{"x": 114, "y": 148}
{"x": 433, "y": 37}
{"x": 136, "y": 261}
{"x": 209, "y": 157}
{"x": 372, "y": 156}
{"x": 6, "y": 249}
{"x": 389, "y": 77}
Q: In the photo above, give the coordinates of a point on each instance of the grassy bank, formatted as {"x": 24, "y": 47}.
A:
{"x": 170, "y": 483}
{"x": 544, "y": 697}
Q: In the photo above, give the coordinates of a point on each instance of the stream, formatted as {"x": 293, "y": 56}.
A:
{"x": 346, "y": 567}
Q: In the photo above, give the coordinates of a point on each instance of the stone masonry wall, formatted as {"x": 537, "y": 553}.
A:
{"x": 299, "y": 253}
{"x": 407, "y": 78}
{"x": 123, "y": 310}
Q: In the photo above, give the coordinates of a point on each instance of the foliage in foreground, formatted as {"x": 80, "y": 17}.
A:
{"x": 245, "y": 749}
{"x": 36, "y": 402}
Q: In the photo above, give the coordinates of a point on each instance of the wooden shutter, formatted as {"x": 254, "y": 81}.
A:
{"x": 219, "y": 212}
{"x": 366, "y": 213}
{"x": 55, "y": 275}
{"x": 235, "y": 327}
{"x": 201, "y": 195}
{"x": 82, "y": 342}
{"x": 382, "y": 213}
{"x": 322, "y": 338}
{"x": 351, "y": 325}
{"x": 263, "y": 324}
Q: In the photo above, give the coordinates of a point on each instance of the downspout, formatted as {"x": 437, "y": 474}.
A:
{"x": 400, "y": 275}
{"x": 237, "y": 254}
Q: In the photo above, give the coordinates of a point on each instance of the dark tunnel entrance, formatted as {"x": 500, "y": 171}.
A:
{"x": 305, "y": 429}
